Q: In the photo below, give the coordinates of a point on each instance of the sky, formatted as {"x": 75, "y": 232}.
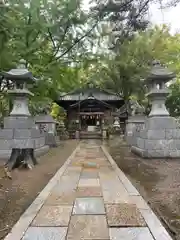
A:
{"x": 170, "y": 16}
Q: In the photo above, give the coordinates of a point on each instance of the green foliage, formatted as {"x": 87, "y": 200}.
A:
{"x": 50, "y": 36}
{"x": 65, "y": 47}
{"x": 173, "y": 101}
{"x": 57, "y": 112}
{"x": 123, "y": 72}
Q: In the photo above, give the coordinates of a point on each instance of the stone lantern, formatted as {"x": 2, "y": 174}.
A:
{"x": 157, "y": 80}
{"x": 62, "y": 130}
{"x": 20, "y": 133}
{"x": 160, "y": 136}
{"x": 116, "y": 124}
{"x": 20, "y": 78}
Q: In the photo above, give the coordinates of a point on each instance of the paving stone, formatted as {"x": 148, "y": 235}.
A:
{"x": 139, "y": 201}
{"x": 69, "y": 179}
{"x": 140, "y": 233}
{"x": 88, "y": 174}
{"x": 124, "y": 215}
{"x": 53, "y": 216}
{"x": 89, "y": 183}
{"x": 77, "y": 163}
{"x": 61, "y": 187}
{"x": 45, "y": 233}
{"x": 92, "y": 227}
{"x": 89, "y": 206}
{"x": 107, "y": 185}
{"x": 63, "y": 198}
{"x": 155, "y": 226}
{"x": 72, "y": 169}
{"x": 89, "y": 192}
{"x": 90, "y": 165}
{"x": 115, "y": 196}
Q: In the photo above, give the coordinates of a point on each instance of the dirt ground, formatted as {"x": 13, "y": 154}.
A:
{"x": 17, "y": 194}
{"x": 158, "y": 181}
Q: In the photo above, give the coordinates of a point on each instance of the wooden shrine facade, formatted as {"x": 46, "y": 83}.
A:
{"x": 90, "y": 106}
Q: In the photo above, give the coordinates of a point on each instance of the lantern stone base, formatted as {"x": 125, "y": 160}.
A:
{"x": 6, "y": 153}
{"x": 160, "y": 138}
{"x": 21, "y": 139}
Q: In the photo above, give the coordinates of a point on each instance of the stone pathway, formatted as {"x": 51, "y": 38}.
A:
{"x": 89, "y": 198}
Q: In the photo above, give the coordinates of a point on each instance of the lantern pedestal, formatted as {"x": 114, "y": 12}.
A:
{"x": 160, "y": 135}
{"x": 20, "y": 135}
{"x": 160, "y": 138}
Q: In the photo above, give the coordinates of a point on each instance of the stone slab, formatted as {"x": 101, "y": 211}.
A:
{"x": 159, "y": 154}
{"x": 51, "y": 216}
{"x": 135, "y": 233}
{"x": 172, "y": 133}
{"x": 158, "y": 123}
{"x": 89, "y": 183}
{"x": 140, "y": 202}
{"x": 6, "y": 144}
{"x": 87, "y": 174}
{"x": 89, "y": 192}
{"x": 25, "y": 220}
{"x": 22, "y": 133}
{"x": 127, "y": 184}
{"x": 89, "y": 206}
{"x": 64, "y": 198}
{"x": 70, "y": 170}
{"x": 114, "y": 196}
{"x": 23, "y": 143}
{"x": 19, "y": 122}
{"x": 88, "y": 227}
{"x": 45, "y": 233}
{"x": 126, "y": 215}
{"x": 6, "y": 134}
{"x": 154, "y": 224}
{"x": 65, "y": 187}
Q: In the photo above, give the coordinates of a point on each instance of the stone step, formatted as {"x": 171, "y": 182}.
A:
{"x": 90, "y": 135}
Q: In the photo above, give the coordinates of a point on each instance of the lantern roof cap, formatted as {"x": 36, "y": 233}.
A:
{"x": 159, "y": 73}
{"x": 20, "y": 74}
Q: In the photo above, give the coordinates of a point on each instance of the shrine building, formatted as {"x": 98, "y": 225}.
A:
{"x": 90, "y": 107}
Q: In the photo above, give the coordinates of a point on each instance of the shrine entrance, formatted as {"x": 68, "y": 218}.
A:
{"x": 90, "y": 119}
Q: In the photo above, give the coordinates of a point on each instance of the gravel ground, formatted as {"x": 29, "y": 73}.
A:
{"x": 158, "y": 181}
{"x": 17, "y": 194}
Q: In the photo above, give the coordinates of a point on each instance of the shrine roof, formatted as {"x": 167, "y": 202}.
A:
{"x": 84, "y": 93}
{"x": 93, "y": 101}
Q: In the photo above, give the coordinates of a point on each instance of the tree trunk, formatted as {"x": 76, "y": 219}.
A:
{"x": 20, "y": 158}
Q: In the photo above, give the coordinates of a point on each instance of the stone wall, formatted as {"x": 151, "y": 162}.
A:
{"x": 160, "y": 138}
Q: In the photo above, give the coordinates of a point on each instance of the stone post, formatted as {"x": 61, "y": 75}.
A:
{"x": 160, "y": 137}
{"x": 104, "y": 132}
{"x": 134, "y": 123}
{"x": 48, "y": 125}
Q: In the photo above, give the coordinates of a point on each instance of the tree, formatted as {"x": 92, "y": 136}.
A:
{"x": 173, "y": 100}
